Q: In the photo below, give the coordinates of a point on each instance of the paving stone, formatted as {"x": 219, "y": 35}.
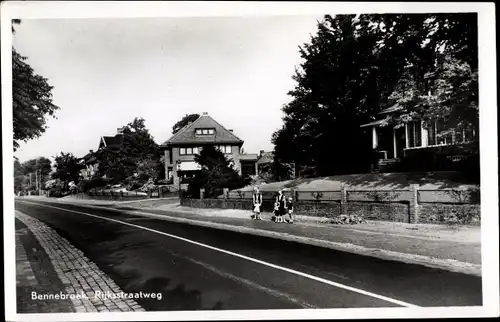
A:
{"x": 75, "y": 272}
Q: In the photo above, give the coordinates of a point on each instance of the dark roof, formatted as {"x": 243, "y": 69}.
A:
{"x": 249, "y": 157}
{"x": 393, "y": 108}
{"x": 187, "y": 135}
{"x": 373, "y": 123}
{"x": 266, "y": 157}
{"x": 112, "y": 141}
{"x": 89, "y": 158}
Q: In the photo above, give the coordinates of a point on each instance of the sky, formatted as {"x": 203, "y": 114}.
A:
{"x": 105, "y": 72}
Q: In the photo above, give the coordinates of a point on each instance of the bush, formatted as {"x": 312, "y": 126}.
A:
{"x": 57, "y": 192}
{"x": 348, "y": 220}
{"x": 217, "y": 173}
{"x": 148, "y": 186}
{"x": 97, "y": 182}
{"x": 134, "y": 185}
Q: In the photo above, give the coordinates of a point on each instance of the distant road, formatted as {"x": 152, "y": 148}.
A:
{"x": 200, "y": 268}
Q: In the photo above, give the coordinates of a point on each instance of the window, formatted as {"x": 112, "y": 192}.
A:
{"x": 469, "y": 135}
{"x": 437, "y": 136}
{"x": 414, "y": 134}
{"x": 224, "y": 149}
{"x": 442, "y": 137}
{"x": 431, "y": 130}
{"x": 189, "y": 151}
{"x": 205, "y": 131}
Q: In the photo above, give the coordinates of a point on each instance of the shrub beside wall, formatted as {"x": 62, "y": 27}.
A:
{"x": 434, "y": 213}
{"x": 318, "y": 208}
{"x": 389, "y": 211}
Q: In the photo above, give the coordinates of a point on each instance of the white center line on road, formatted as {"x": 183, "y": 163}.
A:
{"x": 292, "y": 271}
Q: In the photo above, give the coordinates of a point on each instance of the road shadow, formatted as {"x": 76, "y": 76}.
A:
{"x": 173, "y": 297}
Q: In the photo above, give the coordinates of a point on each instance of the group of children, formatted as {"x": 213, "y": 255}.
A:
{"x": 282, "y": 207}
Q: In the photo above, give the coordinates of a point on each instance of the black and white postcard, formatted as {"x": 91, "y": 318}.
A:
{"x": 249, "y": 160}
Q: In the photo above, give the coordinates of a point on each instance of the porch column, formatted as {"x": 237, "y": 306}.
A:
{"x": 374, "y": 137}
{"x": 394, "y": 143}
{"x": 256, "y": 168}
{"x": 425, "y": 134}
{"x": 406, "y": 136}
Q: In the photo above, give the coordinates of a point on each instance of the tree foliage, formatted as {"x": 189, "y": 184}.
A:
{"x": 188, "y": 118}
{"x": 40, "y": 167}
{"x": 440, "y": 77}
{"x": 216, "y": 173}
{"x": 137, "y": 151}
{"x": 356, "y": 65}
{"x": 32, "y": 100}
{"x": 275, "y": 171}
{"x": 42, "y": 164}
{"x": 67, "y": 169}
{"x": 149, "y": 169}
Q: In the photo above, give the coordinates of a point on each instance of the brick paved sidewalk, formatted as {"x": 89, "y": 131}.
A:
{"x": 48, "y": 264}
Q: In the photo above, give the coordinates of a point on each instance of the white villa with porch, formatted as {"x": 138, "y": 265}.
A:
{"x": 394, "y": 143}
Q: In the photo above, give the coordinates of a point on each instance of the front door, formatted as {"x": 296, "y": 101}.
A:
{"x": 400, "y": 142}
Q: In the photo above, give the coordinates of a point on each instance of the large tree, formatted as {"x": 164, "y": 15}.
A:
{"x": 188, "y": 118}
{"x": 337, "y": 88}
{"x": 32, "y": 100}
{"x": 356, "y": 65}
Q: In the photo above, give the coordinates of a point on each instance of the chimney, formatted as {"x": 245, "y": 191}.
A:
{"x": 261, "y": 152}
{"x": 231, "y": 130}
{"x": 205, "y": 113}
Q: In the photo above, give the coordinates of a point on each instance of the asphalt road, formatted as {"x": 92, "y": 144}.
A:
{"x": 200, "y": 268}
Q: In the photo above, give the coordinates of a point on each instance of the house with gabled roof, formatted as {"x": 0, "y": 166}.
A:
{"x": 89, "y": 161}
{"x": 113, "y": 142}
{"x": 180, "y": 150}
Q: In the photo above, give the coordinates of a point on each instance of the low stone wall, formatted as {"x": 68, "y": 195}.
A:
{"x": 131, "y": 198}
{"x": 432, "y": 213}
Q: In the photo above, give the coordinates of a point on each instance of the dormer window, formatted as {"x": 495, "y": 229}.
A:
{"x": 205, "y": 131}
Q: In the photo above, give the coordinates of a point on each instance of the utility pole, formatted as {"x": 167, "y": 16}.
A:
{"x": 36, "y": 175}
{"x": 40, "y": 182}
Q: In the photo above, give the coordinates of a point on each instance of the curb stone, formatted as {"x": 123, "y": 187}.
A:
{"x": 451, "y": 265}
